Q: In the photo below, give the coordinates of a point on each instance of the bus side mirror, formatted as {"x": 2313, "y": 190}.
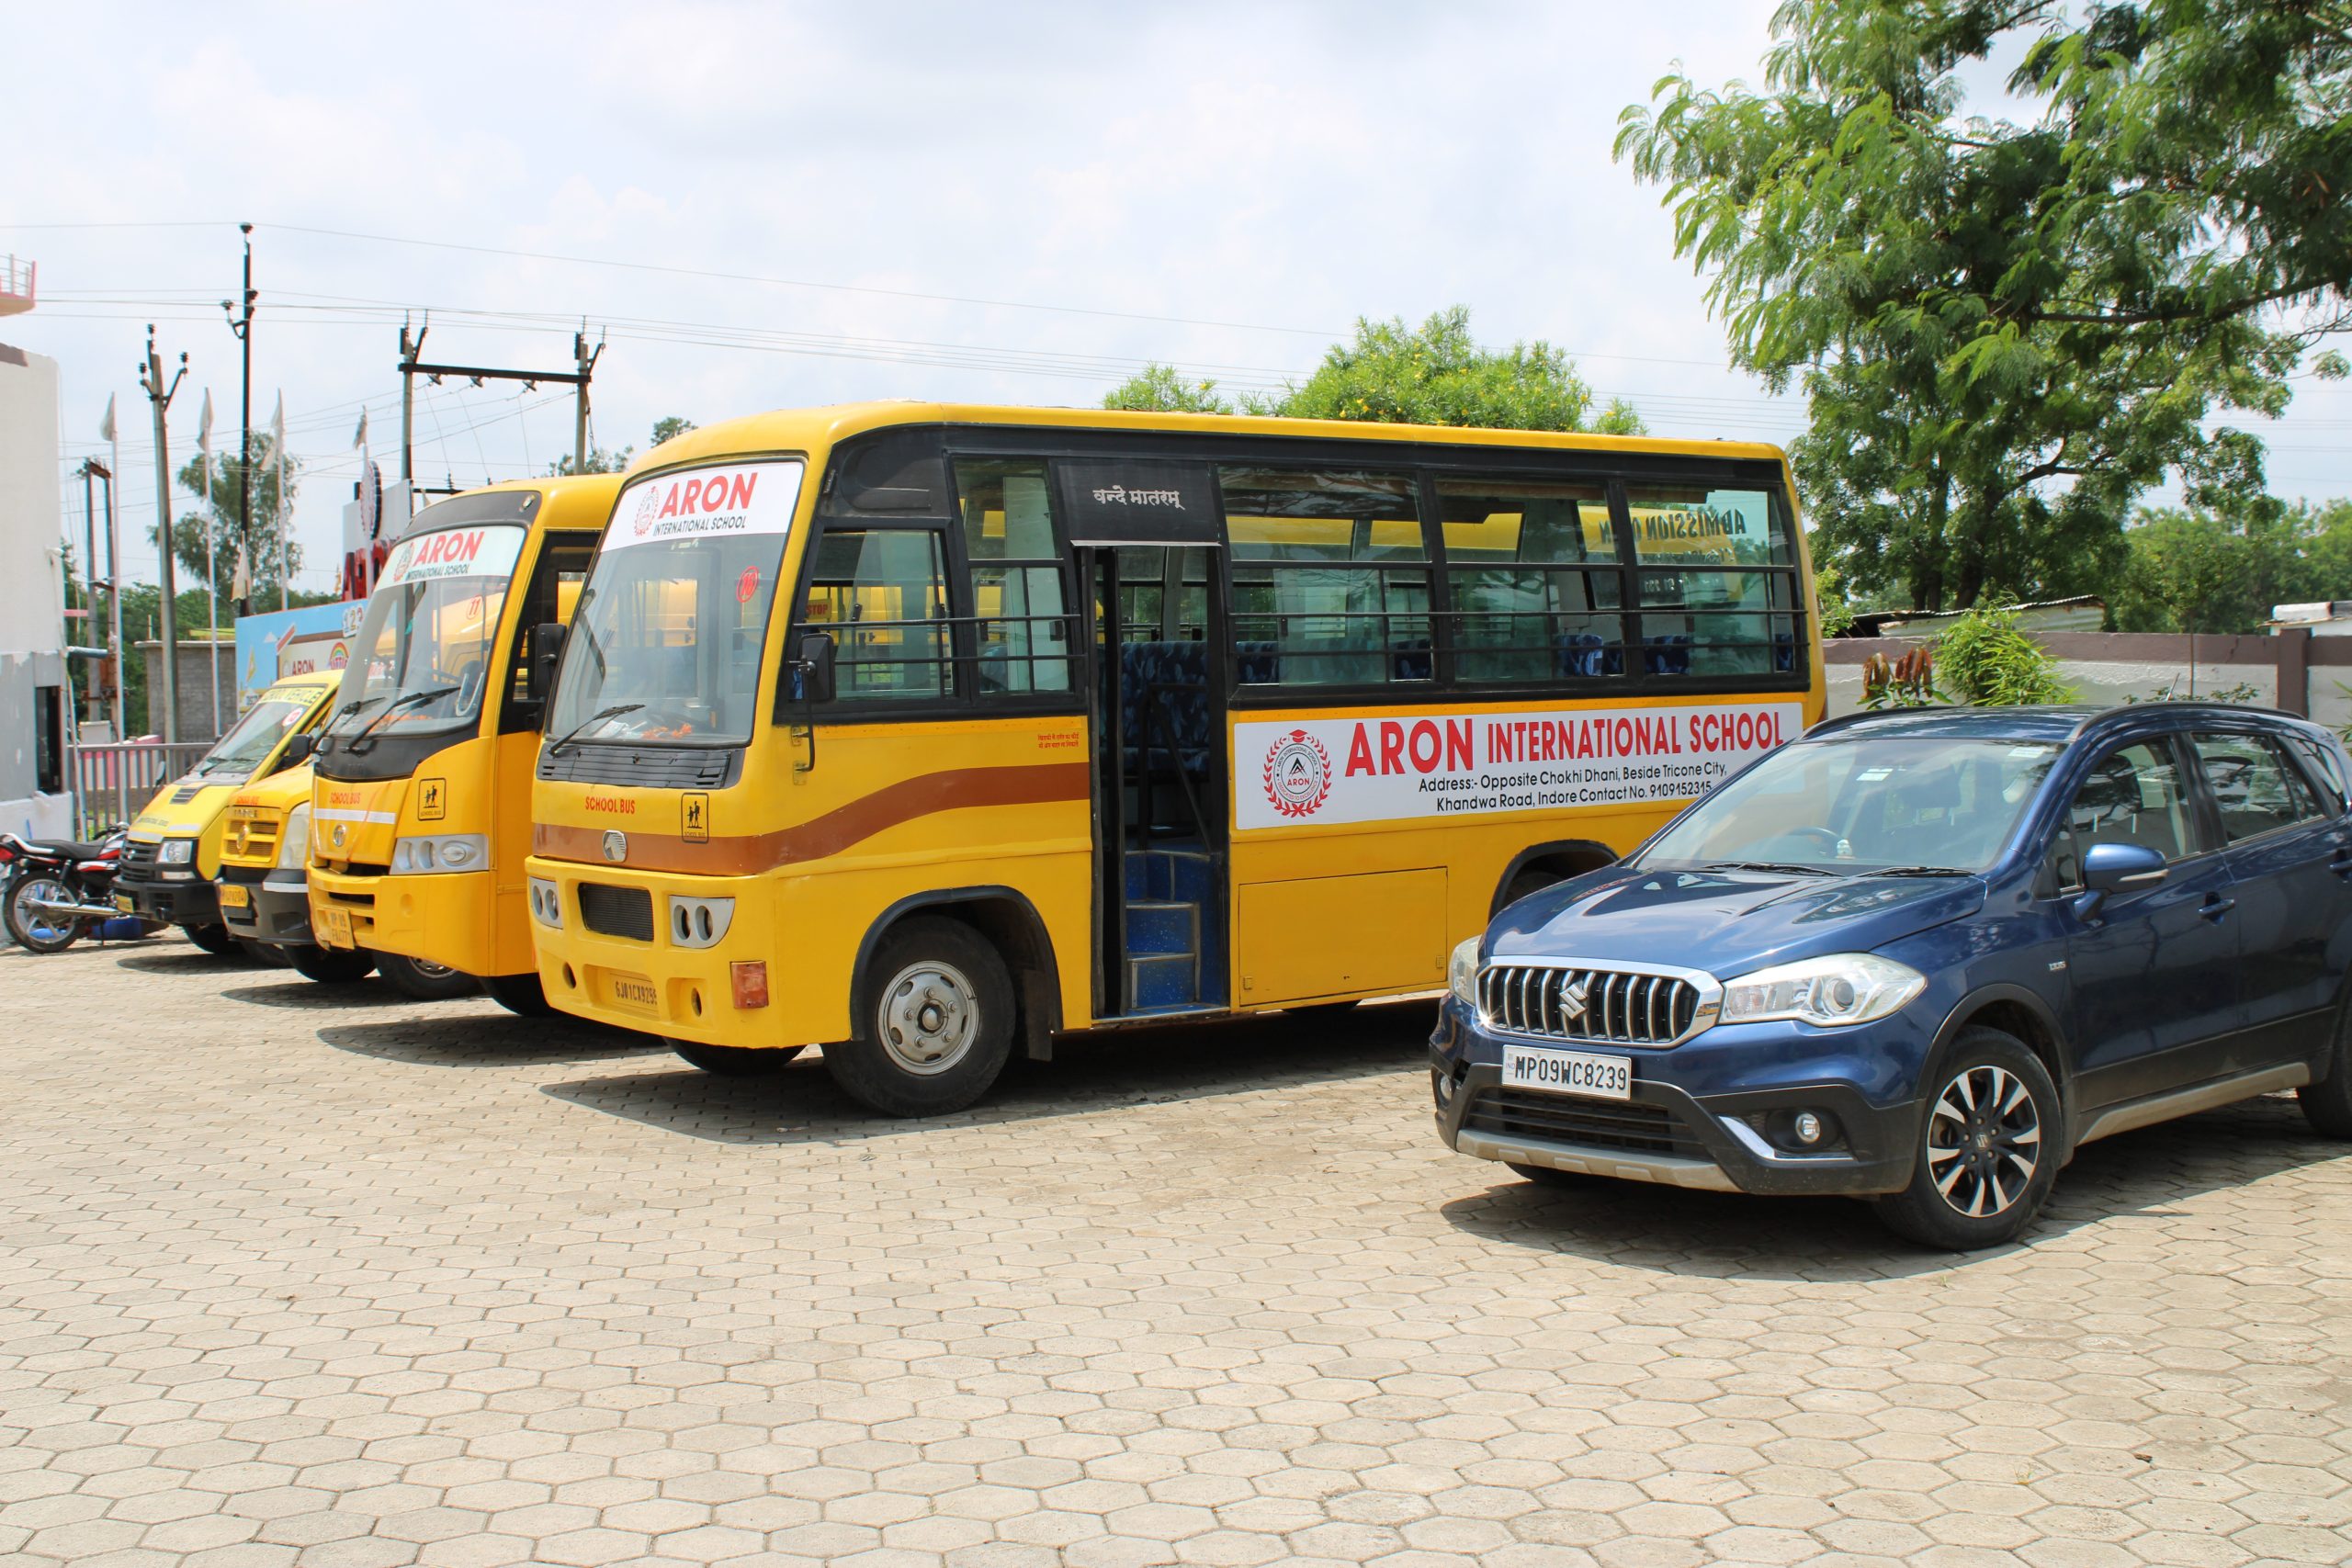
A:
{"x": 547, "y": 652}
{"x": 815, "y": 667}
{"x": 299, "y": 750}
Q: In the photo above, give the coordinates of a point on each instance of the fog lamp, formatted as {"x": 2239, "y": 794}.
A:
{"x": 1807, "y": 1127}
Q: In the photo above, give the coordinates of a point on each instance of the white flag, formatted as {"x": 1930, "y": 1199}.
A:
{"x": 277, "y": 428}
{"x": 359, "y": 436}
{"x": 241, "y": 585}
{"x": 106, "y": 425}
{"x": 204, "y": 422}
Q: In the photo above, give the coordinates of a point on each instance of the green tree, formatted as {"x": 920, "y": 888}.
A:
{"x": 217, "y": 515}
{"x": 2008, "y": 328}
{"x": 2223, "y": 562}
{"x": 1436, "y": 373}
{"x": 670, "y": 425}
{"x": 601, "y": 461}
{"x": 1156, "y": 389}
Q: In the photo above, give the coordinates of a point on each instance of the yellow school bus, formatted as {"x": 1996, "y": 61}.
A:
{"x": 420, "y": 812}
{"x": 921, "y": 733}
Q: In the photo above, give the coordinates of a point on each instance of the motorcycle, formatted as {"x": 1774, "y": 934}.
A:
{"x": 55, "y": 891}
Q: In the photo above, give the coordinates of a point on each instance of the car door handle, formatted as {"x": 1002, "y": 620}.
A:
{"x": 2215, "y": 906}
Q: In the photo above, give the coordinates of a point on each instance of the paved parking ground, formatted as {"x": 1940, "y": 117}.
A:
{"x": 291, "y": 1276}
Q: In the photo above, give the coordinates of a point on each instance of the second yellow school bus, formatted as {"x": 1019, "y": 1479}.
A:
{"x": 921, "y": 733}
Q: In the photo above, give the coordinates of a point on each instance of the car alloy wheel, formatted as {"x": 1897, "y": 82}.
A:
{"x": 1984, "y": 1141}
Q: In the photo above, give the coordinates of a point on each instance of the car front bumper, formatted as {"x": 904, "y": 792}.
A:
{"x": 278, "y": 907}
{"x": 191, "y": 900}
{"x": 1698, "y": 1110}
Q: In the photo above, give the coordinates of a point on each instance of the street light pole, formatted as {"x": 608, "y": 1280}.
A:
{"x": 151, "y": 377}
{"x": 243, "y": 326}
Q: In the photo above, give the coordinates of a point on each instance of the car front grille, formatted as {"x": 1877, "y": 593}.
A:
{"x": 251, "y": 838}
{"x": 1614, "y": 1007}
{"x": 137, "y": 861}
{"x": 1628, "y": 1126}
{"x": 616, "y": 911}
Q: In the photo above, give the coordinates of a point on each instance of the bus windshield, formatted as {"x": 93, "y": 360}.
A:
{"x": 250, "y": 740}
{"x": 421, "y": 661}
{"x": 666, "y": 643}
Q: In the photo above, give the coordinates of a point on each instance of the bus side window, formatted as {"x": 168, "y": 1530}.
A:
{"x": 1330, "y": 576}
{"x": 1536, "y": 587}
{"x": 1719, "y": 593}
{"x": 882, "y": 592}
{"x": 555, "y": 588}
{"x": 1020, "y": 624}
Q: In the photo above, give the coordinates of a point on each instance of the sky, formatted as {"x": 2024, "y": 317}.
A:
{"x": 759, "y": 206}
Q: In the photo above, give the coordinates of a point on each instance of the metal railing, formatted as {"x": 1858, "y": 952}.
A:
{"x": 111, "y": 780}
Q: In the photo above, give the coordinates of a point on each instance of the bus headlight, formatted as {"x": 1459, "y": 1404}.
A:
{"x": 294, "y": 845}
{"x": 700, "y": 923}
{"x": 1841, "y": 989}
{"x": 547, "y": 903}
{"x": 176, "y": 851}
{"x": 449, "y": 852}
{"x": 1462, "y": 973}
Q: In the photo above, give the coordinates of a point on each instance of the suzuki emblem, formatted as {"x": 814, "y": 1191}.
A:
{"x": 1573, "y": 999}
{"x": 615, "y": 845}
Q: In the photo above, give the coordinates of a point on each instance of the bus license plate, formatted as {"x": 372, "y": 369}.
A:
{"x": 1567, "y": 1072}
{"x": 123, "y": 901}
{"x": 634, "y": 993}
{"x": 331, "y": 927}
{"x": 234, "y": 897}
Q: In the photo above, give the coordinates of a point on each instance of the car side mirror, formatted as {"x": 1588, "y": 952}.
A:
{"x": 814, "y": 665}
{"x": 2109, "y": 869}
{"x": 547, "y": 653}
{"x": 299, "y": 750}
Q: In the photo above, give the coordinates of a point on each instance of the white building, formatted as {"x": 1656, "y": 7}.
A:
{"x": 35, "y": 698}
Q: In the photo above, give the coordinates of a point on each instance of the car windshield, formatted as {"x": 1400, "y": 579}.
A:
{"x": 666, "y": 642}
{"x": 422, "y": 656}
{"x": 252, "y": 739}
{"x": 1846, "y": 806}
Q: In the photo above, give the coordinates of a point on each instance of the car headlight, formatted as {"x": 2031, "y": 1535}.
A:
{"x": 176, "y": 851}
{"x": 1841, "y": 989}
{"x": 294, "y": 845}
{"x": 1461, "y": 972}
{"x": 448, "y": 852}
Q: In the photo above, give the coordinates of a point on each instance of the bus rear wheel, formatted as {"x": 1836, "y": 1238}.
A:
{"x": 935, "y": 1021}
{"x": 213, "y": 938}
{"x": 520, "y": 995}
{"x": 422, "y": 981}
{"x": 330, "y": 966}
{"x": 735, "y": 1061}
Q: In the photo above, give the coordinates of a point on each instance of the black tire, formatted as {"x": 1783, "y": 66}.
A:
{"x": 1527, "y": 884}
{"x": 423, "y": 982}
{"x": 933, "y": 1021}
{"x": 1545, "y": 1175}
{"x": 520, "y": 995}
{"x": 37, "y": 934}
{"x": 2327, "y": 1104}
{"x": 262, "y": 951}
{"x": 213, "y": 938}
{"x": 330, "y": 966}
{"x": 1323, "y": 1012}
{"x": 1998, "y": 1162}
{"x": 735, "y": 1061}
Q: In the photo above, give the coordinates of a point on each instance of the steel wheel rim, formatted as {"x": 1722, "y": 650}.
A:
{"x": 48, "y": 890}
{"x": 1983, "y": 1142}
{"x": 928, "y": 1017}
{"x": 429, "y": 970}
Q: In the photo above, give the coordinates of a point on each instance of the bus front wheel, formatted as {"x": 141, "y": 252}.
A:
{"x": 520, "y": 995}
{"x": 934, "y": 1024}
{"x": 422, "y": 981}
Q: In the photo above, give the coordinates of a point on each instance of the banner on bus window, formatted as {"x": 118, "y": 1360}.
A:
{"x": 1295, "y": 772}
{"x": 489, "y": 550}
{"x": 707, "y": 503}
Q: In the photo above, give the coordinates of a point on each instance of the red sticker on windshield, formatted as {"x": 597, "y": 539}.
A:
{"x": 747, "y": 585}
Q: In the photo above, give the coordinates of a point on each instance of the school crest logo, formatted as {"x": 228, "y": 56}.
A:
{"x": 1297, "y": 773}
{"x": 647, "y": 505}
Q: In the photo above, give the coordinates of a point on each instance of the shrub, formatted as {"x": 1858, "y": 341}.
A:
{"x": 1990, "y": 662}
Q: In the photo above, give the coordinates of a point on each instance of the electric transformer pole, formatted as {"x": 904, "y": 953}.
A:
{"x": 150, "y": 377}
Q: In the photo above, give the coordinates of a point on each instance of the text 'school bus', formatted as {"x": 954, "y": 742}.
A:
{"x": 420, "y": 813}
{"x": 919, "y": 732}
{"x": 174, "y": 850}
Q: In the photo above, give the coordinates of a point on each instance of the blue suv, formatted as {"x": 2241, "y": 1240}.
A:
{"x": 1922, "y": 956}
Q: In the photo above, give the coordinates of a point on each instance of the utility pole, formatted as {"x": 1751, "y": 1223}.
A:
{"x": 584, "y": 366}
{"x": 94, "y": 706}
{"x": 114, "y": 577}
{"x": 410, "y": 349}
{"x": 150, "y": 377}
{"x": 243, "y": 326}
{"x": 586, "y": 362}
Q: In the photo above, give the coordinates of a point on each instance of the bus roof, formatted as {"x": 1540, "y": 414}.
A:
{"x": 573, "y": 501}
{"x": 810, "y": 429}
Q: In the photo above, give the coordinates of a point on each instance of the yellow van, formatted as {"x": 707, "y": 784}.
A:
{"x": 173, "y": 854}
{"x": 921, "y": 732}
{"x": 420, "y": 815}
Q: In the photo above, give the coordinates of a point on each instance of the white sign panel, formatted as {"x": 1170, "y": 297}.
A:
{"x": 483, "y": 550}
{"x": 1382, "y": 770}
{"x": 701, "y": 504}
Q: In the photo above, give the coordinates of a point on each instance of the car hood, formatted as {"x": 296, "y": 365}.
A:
{"x": 1725, "y": 922}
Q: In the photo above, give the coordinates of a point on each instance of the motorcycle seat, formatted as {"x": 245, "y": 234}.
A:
{"x": 67, "y": 848}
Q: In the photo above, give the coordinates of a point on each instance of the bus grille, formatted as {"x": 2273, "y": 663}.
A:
{"x": 1627, "y": 1125}
{"x": 1605, "y": 1006}
{"x": 616, "y": 911}
{"x": 657, "y": 767}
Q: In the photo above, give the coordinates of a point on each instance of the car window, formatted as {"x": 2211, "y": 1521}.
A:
{"x": 2321, "y": 766}
{"x": 2256, "y": 791}
{"x": 2134, "y": 795}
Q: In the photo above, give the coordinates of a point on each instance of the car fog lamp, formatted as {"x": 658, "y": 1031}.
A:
{"x": 1829, "y": 992}
{"x": 1462, "y": 973}
{"x": 1808, "y": 1127}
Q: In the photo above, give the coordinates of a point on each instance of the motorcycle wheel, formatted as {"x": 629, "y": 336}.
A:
{"x": 34, "y": 932}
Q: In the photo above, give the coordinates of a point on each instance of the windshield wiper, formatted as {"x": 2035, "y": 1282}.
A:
{"x": 351, "y": 747}
{"x": 1782, "y": 866}
{"x": 1913, "y": 871}
{"x": 594, "y": 718}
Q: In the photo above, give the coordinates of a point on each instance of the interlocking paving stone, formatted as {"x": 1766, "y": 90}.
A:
{"x": 295, "y": 1277}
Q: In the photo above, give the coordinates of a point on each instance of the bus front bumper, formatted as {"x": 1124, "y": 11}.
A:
{"x": 270, "y": 907}
{"x": 177, "y": 898}
{"x": 619, "y": 956}
{"x": 441, "y": 918}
